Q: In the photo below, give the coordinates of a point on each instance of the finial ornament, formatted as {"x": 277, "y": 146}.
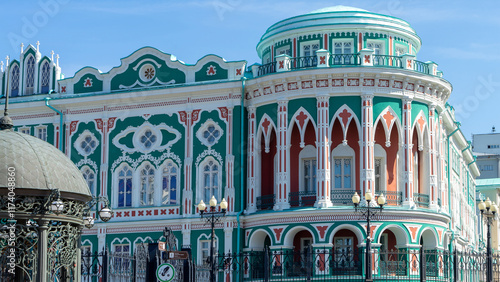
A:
{"x": 6, "y": 121}
{"x": 22, "y": 48}
{"x": 52, "y": 55}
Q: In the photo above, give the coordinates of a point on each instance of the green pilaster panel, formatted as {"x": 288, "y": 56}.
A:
{"x": 87, "y": 84}
{"x": 416, "y": 107}
{"x": 380, "y": 103}
{"x": 210, "y": 71}
{"x": 161, "y": 75}
{"x": 308, "y": 103}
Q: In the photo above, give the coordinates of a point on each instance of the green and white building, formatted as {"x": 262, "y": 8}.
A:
{"x": 340, "y": 103}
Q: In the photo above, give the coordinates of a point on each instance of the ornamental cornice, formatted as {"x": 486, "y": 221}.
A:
{"x": 313, "y": 83}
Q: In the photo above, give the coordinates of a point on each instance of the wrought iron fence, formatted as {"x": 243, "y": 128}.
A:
{"x": 344, "y": 60}
{"x": 302, "y": 198}
{"x": 327, "y": 264}
{"x": 343, "y": 196}
{"x": 266, "y": 202}
{"x": 421, "y": 200}
{"x": 303, "y": 62}
{"x": 387, "y": 61}
{"x": 267, "y": 68}
{"x": 392, "y": 198}
{"x": 110, "y": 266}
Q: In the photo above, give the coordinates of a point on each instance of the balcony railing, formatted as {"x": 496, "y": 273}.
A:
{"x": 343, "y": 197}
{"x": 421, "y": 200}
{"x": 266, "y": 202}
{"x": 302, "y": 198}
{"x": 392, "y": 198}
{"x": 343, "y": 60}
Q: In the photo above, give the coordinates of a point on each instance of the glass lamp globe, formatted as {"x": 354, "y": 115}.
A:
{"x": 223, "y": 204}
{"x": 213, "y": 202}
{"x": 105, "y": 214}
{"x": 57, "y": 206}
{"x": 355, "y": 198}
{"x": 202, "y": 206}
{"x": 381, "y": 200}
{"x": 88, "y": 221}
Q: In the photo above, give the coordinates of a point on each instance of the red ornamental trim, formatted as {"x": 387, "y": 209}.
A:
{"x": 224, "y": 113}
{"x": 322, "y": 83}
{"x": 183, "y": 116}
{"x": 279, "y": 88}
{"x": 307, "y": 84}
{"x": 293, "y": 86}
{"x": 383, "y": 83}
{"x": 256, "y": 93}
{"x": 267, "y": 91}
{"x": 322, "y": 60}
{"x": 368, "y": 82}
{"x": 282, "y": 65}
{"x": 338, "y": 82}
{"x": 238, "y": 71}
{"x": 99, "y": 123}
{"x": 111, "y": 123}
{"x": 410, "y": 87}
{"x": 352, "y": 82}
{"x": 72, "y": 126}
{"x": 420, "y": 89}
{"x": 63, "y": 89}
{"x": 398, "y": 84}
{"x": 367, "y": 59}
{"x": 195, "y": 115}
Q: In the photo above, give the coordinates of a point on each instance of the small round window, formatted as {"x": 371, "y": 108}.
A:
{"x": 148, "y": 139}
{"x": 209, "y": 133}
{"x": 147, "y": 72}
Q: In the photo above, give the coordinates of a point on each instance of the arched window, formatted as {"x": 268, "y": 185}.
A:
{"x": 89, "y": 177}
{"x": 343, "y": 167}
{"x": 30, "y": 76}
{"x": 308, "y": 168}
{"x": 169, "y": 184}
{"x": 45, "y": 77}
{"x": 125, "y": 187}
{"x": 147, "y": 186}
{"x": 210, "y": 171}
{"x": 14, "y": 81}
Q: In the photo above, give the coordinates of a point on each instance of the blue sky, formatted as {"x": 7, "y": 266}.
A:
{"x": 462, "y": 37}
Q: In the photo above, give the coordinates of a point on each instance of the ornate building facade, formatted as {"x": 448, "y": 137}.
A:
{"x": 339, "y": 104}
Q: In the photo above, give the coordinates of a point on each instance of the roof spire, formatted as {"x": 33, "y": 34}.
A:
{"x": 6, "y": 121}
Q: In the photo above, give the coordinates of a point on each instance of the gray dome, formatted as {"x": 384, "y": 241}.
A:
{"x": 38, "y": 165}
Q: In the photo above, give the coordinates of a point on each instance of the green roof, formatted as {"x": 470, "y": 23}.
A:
{"x": 488, "y": 182}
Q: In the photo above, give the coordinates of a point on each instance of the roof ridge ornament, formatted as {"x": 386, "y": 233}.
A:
{"x": 6, "y": 121}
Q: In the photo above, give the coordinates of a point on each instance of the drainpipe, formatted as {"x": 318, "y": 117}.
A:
{"x": 242, "y": 172}
{"x": 449, "y": 185}
{"x": 47, "y": 99}
{"x": 472, "y": 161}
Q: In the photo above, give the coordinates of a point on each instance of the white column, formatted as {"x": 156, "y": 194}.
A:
{"x": 186, "y": 233}
{"x": 283, "y": 158}
{"x": 229, "y": 193}
{"x": 252, "y": 162}
{"x": 433, "y": 159}
{"x": 187, "y": 196}
{"x": 407, "y": 153}
{"x": 323, "y": 197}
{"x": 367, "y": 145}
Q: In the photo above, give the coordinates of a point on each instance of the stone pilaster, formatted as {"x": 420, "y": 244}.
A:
{"x": 252, "y": 161}
{"x": 283, "y": 158}
{"x": 367, "y": 145}
{"x": 407, "y": 154}
{"x": 323, "y": 197}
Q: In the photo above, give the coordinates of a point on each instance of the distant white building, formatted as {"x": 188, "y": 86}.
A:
{"x": 487, "y": 149}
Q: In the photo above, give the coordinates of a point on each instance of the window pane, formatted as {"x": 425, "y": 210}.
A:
{"x": 338, "y": 173}
{"x": 347, "y": 173}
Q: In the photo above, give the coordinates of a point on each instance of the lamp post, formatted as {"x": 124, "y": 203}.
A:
{"x": 105, "y": 213}
{"x": 212, "y": 217}
{"x": 488, "y": 212}
{"x": 368, "y": 214}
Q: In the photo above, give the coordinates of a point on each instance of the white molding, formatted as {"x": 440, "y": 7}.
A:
{"x": 81, "y": 138}
{"x": 203, "y": 127}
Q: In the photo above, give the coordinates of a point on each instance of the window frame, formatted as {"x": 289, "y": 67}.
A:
{"x": 38, "y": 129}
{"x": 27, "y": 79}
{"x": 147, "y": 191}
{"x": 343, "y": 152}
{"x": 118, "y": 178}
{"x": 201, "y": 180}
{"x": 177, "y": 183}
{"x": 377, "y": 41}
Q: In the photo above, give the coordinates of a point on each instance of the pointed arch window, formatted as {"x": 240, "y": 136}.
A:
{"x": 125, "y": 187}
{"x": 169, "y": 184}
{"x": 89, "y": 177}
{"x": 45, "y": 77}
{"x": 210, "y": 180}
{"x": 30, "y": 76}
{"x": 343, "y": 167}
{"x": 14, "y": 81}
{"x": 147, "y": 186}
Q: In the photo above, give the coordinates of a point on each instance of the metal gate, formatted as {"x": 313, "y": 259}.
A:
{"x": 115, "y": 267}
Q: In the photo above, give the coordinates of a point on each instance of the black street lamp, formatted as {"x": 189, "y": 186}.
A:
{"x": 105, "y": 213}
{"x": 488, "y": 211}
{"x": 368, "y": 214}
{"x": 212, "y": 217}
